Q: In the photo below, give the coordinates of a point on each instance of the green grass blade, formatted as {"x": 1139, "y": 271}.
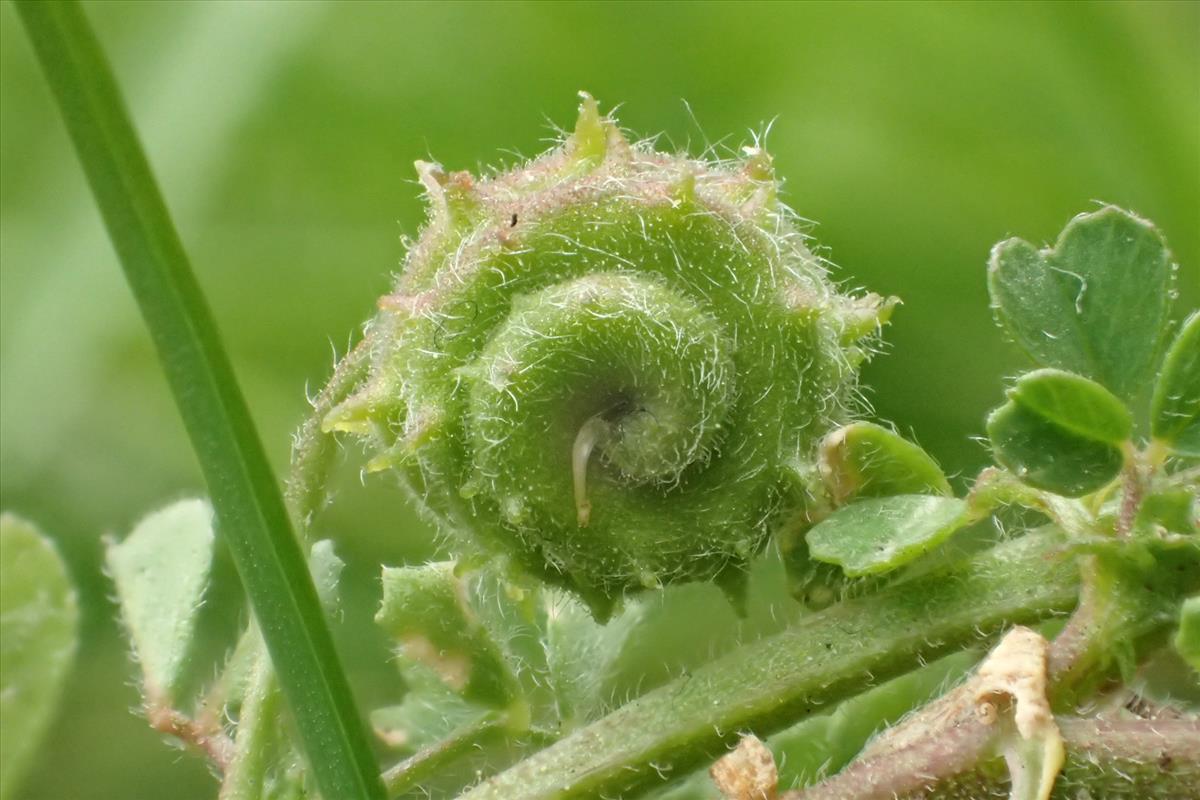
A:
{"x": 250, "y": 510}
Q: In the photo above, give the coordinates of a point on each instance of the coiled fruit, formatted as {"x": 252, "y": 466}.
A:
{"x": 610, "y": 364}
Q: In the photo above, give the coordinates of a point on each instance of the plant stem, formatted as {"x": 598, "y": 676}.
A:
{"x": 408, "y": 774}
{"x": 250, "y": 510}
{"x": 779, "y": 680}
{"x": 246, "y": 775}
{"x": 1146, "y": 758}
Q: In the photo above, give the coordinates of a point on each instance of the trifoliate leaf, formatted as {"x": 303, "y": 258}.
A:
{"x": 161, "y": 571}
{"x": 1175, "y": 409}
{"x": 1060, "y": 432}
{"x": 880, "y": 534}
{"x": 865, "y": 460}
{"x": 39, "y": 619}
{"x": 1096, "y": 303}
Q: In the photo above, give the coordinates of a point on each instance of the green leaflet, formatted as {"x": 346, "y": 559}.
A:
{"x": 161, "y": 573}
{"x": 866, "y": 460}
{"x": 326, "y": 568}
{"x": 1074, "y": 404}
{"x": 425, "y": 609}
{"x": 1096, "y": 303}
{"x": 1060, "y": 432}
{"x": 1045, "y": 457}
{"x": 39, "y": 620}
{"x": 568, "y": 669}
{"x": 471, "y": 648}
{"x": 1172, "y": 509}
{"x": 880, "y": 534}
{"x": 1175, "y": 408}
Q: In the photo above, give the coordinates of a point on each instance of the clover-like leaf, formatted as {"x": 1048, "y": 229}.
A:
{"x": 866, "y": 460}
{"x": 1175, "y": 409}
{"x": 1187, "y": 639}
{"x": 880, "y": 534}
{"x": 1060, "y": 432}
{"x": 39, "y": 619}
{"x": 1096, "y": 303}
{"x": 161, "y": 572}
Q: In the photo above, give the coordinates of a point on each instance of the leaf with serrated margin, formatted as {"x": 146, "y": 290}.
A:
{"x": 1175, "y": 409}
{"x": 880, "y": 534}
{"x": 161, "y": 572}
{"x": 39, "y": 619}
{"x": 1096, "y": 303}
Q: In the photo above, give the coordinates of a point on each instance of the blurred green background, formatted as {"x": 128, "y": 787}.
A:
{"x": 283, "y": 133}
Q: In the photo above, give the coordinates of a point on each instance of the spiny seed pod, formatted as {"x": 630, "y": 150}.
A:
{"x": 610, "y": 364}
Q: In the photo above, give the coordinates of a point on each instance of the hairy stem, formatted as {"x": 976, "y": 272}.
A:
{"x": 1105, "y": 758}
{"x": 820, "y": 660}
{"x": 425, "y": 764}
{"x": 1121, "y": 610}
{"x": 204, "y": 735}
{"x": 246, "y": 776}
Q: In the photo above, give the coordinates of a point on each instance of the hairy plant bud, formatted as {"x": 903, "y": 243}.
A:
{"x": 607, "y": 363}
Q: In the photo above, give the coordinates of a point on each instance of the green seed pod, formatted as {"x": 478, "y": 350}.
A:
{"x": 606, "y": 363}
